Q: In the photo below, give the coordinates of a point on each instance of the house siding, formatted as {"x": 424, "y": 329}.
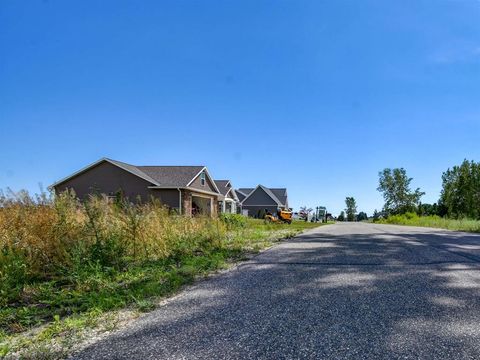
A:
{"x": 259, "y": 197}
{"x": 198, "y": 185}
{"x": 168, "y": 197}
{"x": 259, "y": 201}
{"x": 106, "y": 178}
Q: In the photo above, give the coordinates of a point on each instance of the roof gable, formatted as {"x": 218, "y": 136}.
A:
{"x": 256, "y": 197}
{"x": 225, "y": 187}
{"x": 127, "y": 167}
{"x": 222, "y": 186}
{"x": 209, "y": 179}
{"x": 278, "y": 195}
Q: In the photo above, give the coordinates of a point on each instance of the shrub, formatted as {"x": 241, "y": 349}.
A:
{"x": 233, "y": 221}
{"x": 261, "y": 214}
{"x": 13, "y": 274}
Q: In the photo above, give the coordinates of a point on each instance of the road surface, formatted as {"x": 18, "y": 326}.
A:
{"x": 344, "y": 291}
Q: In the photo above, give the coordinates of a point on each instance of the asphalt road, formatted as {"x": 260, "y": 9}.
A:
{"x": 345, "y": 291}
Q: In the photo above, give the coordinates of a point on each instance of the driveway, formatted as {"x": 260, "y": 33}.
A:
{"x": 344, "y": 291}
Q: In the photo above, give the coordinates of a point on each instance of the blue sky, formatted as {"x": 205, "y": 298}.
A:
{"x": 317, "y": 96}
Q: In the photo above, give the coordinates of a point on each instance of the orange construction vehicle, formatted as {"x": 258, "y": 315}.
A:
{"x": 282, "y": 216}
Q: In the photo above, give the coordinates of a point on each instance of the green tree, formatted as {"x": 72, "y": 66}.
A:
{"x": 427, "y": 209}
{"x": 351, "y": 208}
{"x": 362, "y": 216}
{"x": 460, "y": 195}
{"x": 341, "y": 217}
{"x": 394, "y": 184}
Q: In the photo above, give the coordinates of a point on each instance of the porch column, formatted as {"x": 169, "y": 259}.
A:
{"x": 213, "y": 206}
{"x": 187, "y": 203}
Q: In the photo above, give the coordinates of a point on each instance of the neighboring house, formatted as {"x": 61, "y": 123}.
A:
{"x": 189, "y": 190}
{"x": 228, "y": 202}
{"x": 256, "y": 200}
{"x": 241, "y": 194}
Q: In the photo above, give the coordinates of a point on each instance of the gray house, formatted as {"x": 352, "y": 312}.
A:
{"x": 255, "y": 200}
{"x": 189, "y": 190}
{"x": 228, "y": 201}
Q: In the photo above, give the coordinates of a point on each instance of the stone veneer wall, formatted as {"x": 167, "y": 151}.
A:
{"x": 186, "y": 202}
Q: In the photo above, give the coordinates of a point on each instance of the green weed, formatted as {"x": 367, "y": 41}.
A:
{"x": 413, "y": 219}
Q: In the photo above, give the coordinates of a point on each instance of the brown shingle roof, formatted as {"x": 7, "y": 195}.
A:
{"x": 133, "y": 169}
{"x": 222, "y": 186}
{"x": 174, "y": 176}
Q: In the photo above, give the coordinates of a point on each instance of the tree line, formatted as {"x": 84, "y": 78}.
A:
{"x": 459, "y": 198}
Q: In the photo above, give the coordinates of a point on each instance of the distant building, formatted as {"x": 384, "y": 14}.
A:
{"x": 257, "y": 200}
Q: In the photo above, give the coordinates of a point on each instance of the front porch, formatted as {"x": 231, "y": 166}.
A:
{"x": 227, "y": 206}
{"x": 196, "y": 203}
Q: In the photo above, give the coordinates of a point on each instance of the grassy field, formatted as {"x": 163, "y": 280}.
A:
{"x": 66, "y": 266}
{"x": 412, "y": 219}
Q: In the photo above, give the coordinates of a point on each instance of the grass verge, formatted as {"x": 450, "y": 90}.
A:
{"x": 412, "y": 219}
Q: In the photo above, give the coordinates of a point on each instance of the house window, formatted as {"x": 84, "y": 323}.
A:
{"x": 202, "y": 179}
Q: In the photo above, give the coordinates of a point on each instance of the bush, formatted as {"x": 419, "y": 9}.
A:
{"x": 13, "y": 274}
{"x": 233, "y": 221}
{"x": 261, "y": 214}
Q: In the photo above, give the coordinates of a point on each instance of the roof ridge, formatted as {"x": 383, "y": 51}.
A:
{"x": 200, "y": 166}
{"x": 117, "y": 161}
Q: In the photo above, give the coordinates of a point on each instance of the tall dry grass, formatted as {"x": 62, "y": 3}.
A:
{"x": 42, "y": 239}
